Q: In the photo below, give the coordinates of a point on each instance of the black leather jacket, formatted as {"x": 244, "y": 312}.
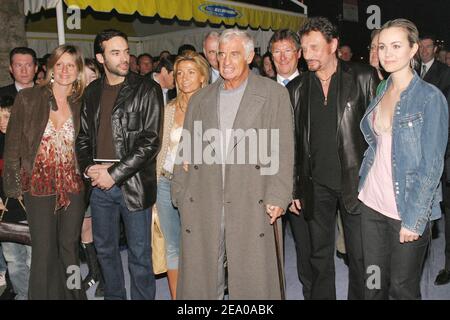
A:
{"x": 357, "y": 85}
{"x": 137, "y": 118}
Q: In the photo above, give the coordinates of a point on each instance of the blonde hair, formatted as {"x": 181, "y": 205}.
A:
{"x": 79, "y": 84}
{"x": 201, "y": 64}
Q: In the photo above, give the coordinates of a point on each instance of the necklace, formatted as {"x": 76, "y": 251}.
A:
{"x": 325, "y": 102}
{"x": 324, "y": 80}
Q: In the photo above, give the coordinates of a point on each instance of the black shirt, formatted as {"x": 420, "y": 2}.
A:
{"x": 326, "y": 169}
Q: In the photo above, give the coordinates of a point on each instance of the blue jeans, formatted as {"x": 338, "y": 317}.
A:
{"x": 170, "y": 222}
{"x": 18, "y": 257}
{"x": 107, "y": 207}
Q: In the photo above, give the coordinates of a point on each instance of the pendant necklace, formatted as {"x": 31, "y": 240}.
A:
{"x": 325, "y": 102}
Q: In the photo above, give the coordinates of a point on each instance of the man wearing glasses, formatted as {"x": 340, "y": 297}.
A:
{"x": 285, "y": 48}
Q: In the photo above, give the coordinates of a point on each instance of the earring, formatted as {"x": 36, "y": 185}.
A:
{"x": 52, "y": 78}
{"x": 412, "y": 63}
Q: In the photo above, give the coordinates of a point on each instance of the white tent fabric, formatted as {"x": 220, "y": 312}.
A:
{"x": 35, "y": 6}
{"x": 44, "y": 43}
{"x": 171, "y": 41}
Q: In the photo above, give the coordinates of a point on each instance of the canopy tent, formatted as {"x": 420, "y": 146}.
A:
{"x": 155, "y": 25}
{"x": 215, "y": 11}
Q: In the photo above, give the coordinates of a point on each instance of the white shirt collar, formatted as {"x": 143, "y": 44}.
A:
{"x": 280, "y": 79}
{"x": 428, "y": 64}
{"x": 215, "y": 74}
{"x": 19, "y": 87}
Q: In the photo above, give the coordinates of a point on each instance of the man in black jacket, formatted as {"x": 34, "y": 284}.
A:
{"x": 119, "y": 139}
{"x": 329, "y": 101}
{"x": 438, "y": 74}
{"x": 163, "y": 75}
{"x": 23, "y": 67}
{"x": 431, "y": 70}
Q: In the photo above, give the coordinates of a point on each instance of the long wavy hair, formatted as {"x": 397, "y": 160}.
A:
{"x": 80, "y": 84}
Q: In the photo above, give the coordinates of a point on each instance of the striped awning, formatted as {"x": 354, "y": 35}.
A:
{"x": 230, "y": 13}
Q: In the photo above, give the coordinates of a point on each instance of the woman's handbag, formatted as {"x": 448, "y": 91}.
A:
{"x": 158, "y": 245}
{"x": 14, "y": 231}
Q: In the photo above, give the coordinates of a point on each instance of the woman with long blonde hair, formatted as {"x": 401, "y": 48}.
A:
{"x": 191, "y": 72}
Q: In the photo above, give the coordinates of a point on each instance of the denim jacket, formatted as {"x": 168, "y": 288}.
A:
{"x": 419, "y": 140}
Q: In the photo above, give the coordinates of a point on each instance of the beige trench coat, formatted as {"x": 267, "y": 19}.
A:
{"x": 201, "y": 197}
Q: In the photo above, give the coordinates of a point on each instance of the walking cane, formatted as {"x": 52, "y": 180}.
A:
{"x": 279, "y": 262}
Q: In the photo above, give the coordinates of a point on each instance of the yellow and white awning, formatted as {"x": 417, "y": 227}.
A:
{"x": 215, "y": 11}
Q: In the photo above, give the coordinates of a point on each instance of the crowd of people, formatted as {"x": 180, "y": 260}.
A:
{"x": 228, "y": 148}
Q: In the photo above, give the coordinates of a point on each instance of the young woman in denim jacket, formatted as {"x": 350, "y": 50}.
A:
{"x": 406, "y": 128}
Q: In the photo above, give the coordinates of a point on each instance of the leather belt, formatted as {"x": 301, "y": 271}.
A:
{"x": 166, "y": 174}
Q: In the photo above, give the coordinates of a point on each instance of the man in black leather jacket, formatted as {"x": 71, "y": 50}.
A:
{"x": 119, "y": 139}
{"x": 329, "y": 101}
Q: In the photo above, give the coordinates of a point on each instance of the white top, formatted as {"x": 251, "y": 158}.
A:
{"x": 174, "y": 139}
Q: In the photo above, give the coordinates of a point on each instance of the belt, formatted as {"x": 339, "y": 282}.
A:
{"x": 166, "y": 174}
{"x": 106, "y": 161}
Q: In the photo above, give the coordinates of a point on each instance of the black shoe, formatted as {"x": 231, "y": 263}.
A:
{"x": 8, "y": 294}
{"x": 342, "y": 256}
{"x": 95, "y": 274}
{"x": 443, "y": 277}
{"x": 81, "y": 253}
{"x": 100, "y": 291}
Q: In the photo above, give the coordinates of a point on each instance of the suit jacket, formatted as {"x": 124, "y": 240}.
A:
{"x": 171, "y": 93}
{"x": 8, "y": 91}
{"x": 357, "y": 85}
{"x": 439, "y": 75}
{"x": 202, "y": 196}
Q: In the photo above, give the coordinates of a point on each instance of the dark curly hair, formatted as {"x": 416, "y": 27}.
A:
{"x": 321, "y": 24}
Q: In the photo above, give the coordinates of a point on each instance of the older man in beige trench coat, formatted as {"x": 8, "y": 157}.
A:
{"x": 227, "y": 208}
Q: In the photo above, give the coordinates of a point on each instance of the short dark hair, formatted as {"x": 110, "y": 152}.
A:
{"x": 164, "y": 63}
{"x": 430, "y": 36}
{"x": 142, "y": 56}
{"x": 106, "y": 35}
{"x": 321, "y": 24}
{"x": 22, "y": 50}
{"x": 185, "y": 47}
{"x": 164, "y": 52}
{"x": 284, "y": 34}
{"x": 6, "y": 102}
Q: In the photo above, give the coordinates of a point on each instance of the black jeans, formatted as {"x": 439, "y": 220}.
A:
{"x": 300, "y": 233}
{"x": 399, "y": 265}
{"x": 322, "y": 230}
